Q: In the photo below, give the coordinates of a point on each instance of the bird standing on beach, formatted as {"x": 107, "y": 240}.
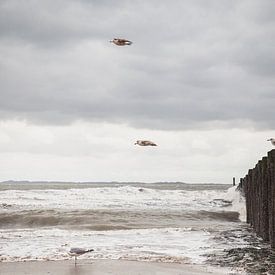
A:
{"x": 145, "y": 143}
{"x": 272, "y": 141}
{"x": 75, "y": 252}
{"x": 121, "y": 42}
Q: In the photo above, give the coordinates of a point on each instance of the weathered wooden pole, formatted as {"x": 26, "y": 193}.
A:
{"x": 271, "y": 157}
{"x": 264, "y": 216}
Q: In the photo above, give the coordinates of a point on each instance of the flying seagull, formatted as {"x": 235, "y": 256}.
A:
{"x": 75, "y": 252}
{"x": 145, "y": 143}
{"x": 272, "y": 140}
{"x": 121, "y": 42}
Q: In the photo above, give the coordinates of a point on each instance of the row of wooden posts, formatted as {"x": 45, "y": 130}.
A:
{"x": 258, "y": 187}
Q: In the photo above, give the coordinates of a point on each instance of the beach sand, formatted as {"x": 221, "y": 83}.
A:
{"x": 104, "y": 267}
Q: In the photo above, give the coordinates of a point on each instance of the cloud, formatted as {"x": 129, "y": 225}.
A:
{"x": 54, "y": 23}
{"x": 104, "y": 152}
{"x": 192, "y": 65}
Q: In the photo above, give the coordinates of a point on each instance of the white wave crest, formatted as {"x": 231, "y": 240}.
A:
{"x": 110, "y": 197}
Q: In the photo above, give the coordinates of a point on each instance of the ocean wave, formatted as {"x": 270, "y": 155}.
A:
{"x": 102, "y": 220}
{"x": 168, "y": 223}
{"x": 120, "y": 197}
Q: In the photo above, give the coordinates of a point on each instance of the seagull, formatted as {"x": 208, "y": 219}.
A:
{"x": 78, "y": 252}
{"x": 121, "y": 42}
{"x": 272, "y": 140}
{"x": 145, "y": 143}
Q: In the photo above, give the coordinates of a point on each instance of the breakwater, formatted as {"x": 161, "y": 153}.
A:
{"x": 258, "y": 187}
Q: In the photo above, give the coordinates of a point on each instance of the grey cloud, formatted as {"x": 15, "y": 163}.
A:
{"x": 191, "y": 64}
{"x": 53, "y": 23}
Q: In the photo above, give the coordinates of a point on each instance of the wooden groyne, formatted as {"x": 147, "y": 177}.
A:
{"x": 258, "y": 187}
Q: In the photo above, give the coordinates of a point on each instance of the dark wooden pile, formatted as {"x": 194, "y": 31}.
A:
{"x": 259, "y": 190}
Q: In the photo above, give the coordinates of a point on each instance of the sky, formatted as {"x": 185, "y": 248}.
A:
{"x": 198, "y": 80}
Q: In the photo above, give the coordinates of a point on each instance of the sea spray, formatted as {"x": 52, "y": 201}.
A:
{"x": 238, "y": 202}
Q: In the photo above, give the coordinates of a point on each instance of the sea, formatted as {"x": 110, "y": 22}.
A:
{"x": 164, "y": 222}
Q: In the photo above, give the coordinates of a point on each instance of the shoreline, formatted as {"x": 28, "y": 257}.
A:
{"x": 104, "y": 267}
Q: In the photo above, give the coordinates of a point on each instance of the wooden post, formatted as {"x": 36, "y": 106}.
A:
{"x": 264, "y": 208}
{"x": 271, "y": 156}
{"x": 258, "y": 187}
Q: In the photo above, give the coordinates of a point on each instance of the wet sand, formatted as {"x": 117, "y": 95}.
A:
{"x": 104, "y": 267}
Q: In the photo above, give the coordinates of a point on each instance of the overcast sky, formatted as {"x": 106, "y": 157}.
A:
{"x": 198, "y": 80}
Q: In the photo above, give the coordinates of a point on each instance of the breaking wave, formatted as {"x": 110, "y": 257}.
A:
{"x": 107, "y": 220}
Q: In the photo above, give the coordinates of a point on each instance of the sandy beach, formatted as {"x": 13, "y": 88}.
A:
{"x": 102, "y": 267}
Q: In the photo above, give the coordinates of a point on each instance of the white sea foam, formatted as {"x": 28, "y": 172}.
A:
{"x": 180, "y": 244}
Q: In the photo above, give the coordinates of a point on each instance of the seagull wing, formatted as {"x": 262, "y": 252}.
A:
{"x": 125, "y": 41}
{"x": 77, "y": 250}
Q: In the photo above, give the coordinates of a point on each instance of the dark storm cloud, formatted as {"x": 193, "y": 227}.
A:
{"x": 191, "y": 63}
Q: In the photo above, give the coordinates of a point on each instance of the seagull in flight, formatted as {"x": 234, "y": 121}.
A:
{"x": 145, "y": 143}
{"x": 272, "y": 141}
{"x": 75, "y": 252}
{"x": 121, "y": 42}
